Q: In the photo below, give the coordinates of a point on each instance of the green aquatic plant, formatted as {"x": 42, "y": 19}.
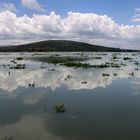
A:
{"x": 77, "y": 65}
{"x": 107, "y": 65}
{"x": 132, "y": 73}
{"x": 34, "y": 54}
{"x": 19, "y": 58}
{"x": 105, "y": 74}
{"x": 13, "y": 61}
{"x": 87, "y": 65}
{"x": 97, "y": 57}
{"x": 115, "y": 57}
{"x": 127, "y": 58}
{"x": 74, "y": 62}
{"x": 51, "y": 69}
{"x": 32, "y": 84}
{"x": 136, "y": 69}
{"x": 58, "y": 59}
{"x": 59, "y": 108}
{"x": 115, "y": 74}
{"x": 18, "y": 66}
{"x": 84, "y": 82}
{"x": 68, "y": 77}
{"x": 123, "y": 64}
{"x": 136, "y": 63}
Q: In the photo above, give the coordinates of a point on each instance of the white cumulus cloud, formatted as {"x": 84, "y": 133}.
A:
{"x": 136, "y": 16}
{"x": 86, "y": 27}
{"x": 7, "y": 6}
{"x": 32, "y": 4}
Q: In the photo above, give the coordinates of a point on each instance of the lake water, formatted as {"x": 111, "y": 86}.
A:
{"x": 101, "y": 103}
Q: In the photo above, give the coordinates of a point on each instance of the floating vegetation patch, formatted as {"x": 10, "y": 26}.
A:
{"x": 115, "y": 57}
{"x": 87, "y": 65}
{"x": 32, "y": 84}
{"x": 36, "y": 54}
{"x": 68, "y": 77}
{"x": 59, "y": 108}
{"x": 107, "y": 66}
{"x": 110, "y": 64}
{"x": 96, "y": 57}
{"x": 58, "y": 60}
{"x": 131, "y": 74}
{"x": 51, "y": 69}
{"x": 43, "y": 67}
{"x": 77, "y": 65}
{"x": 115, "y": 74}
{"x": 5, "y": 65}
{"x": 105, "y": 74}
{"x": 136, "y": 63}
{"x": 127, "y": 58}
{"x": 18, "y": 66}
{"x": 84, "y": 82}
{"x": 137, "y": 69}
{"x": 13, "y": 61}
{"x": 74, "y": 62}
{"x": 123, "y": 64}
{"x": 19, "y": 58}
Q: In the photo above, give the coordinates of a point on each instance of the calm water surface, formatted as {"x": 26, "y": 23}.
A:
{"x": 100, "y": 103}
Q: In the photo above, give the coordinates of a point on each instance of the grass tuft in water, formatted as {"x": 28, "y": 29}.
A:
{"x": 18, "y": 66}
{"x": 59, "y": 108}
{"x": 127, "y": 58}
{"x": 105, "y": 74}
{"x": 19, "y": 58}
{"x": 78, "y": 65}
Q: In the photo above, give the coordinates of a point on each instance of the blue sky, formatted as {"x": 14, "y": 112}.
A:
{"x": 119, "y": 28}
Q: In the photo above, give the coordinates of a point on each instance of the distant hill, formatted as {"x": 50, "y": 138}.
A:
{"x": 61, "y": 46}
